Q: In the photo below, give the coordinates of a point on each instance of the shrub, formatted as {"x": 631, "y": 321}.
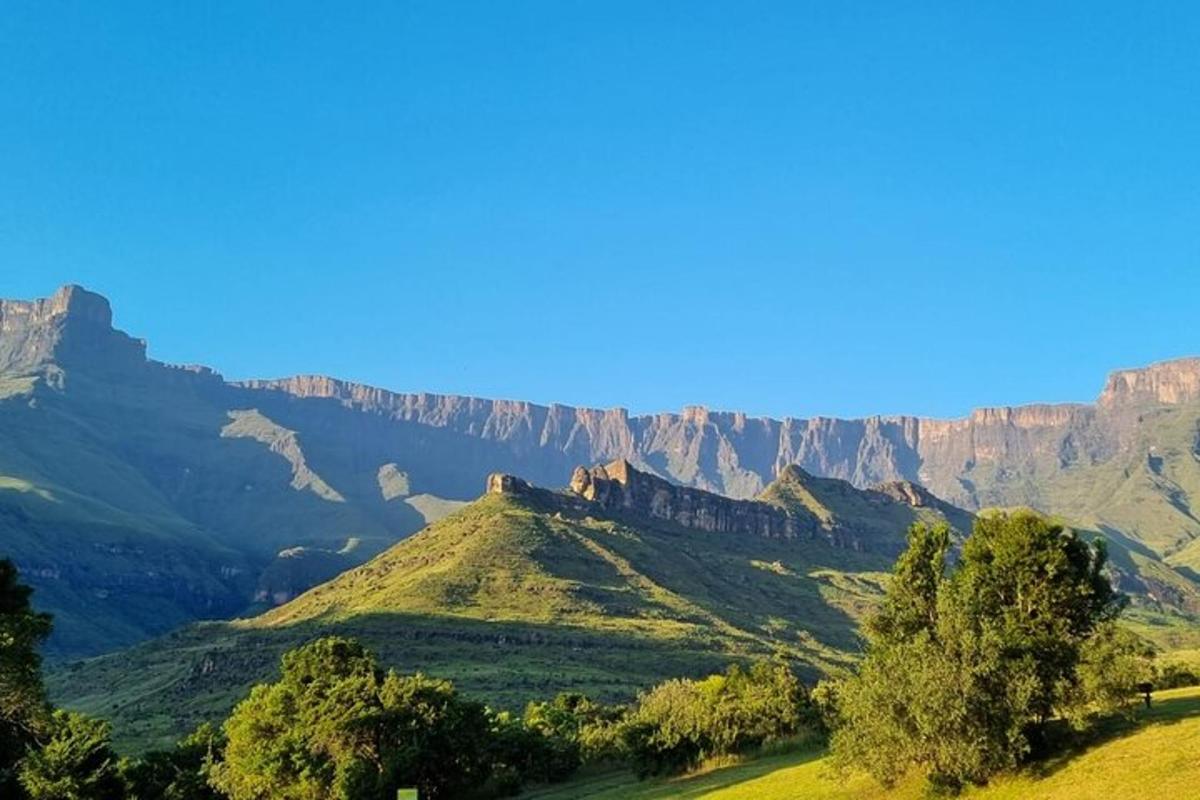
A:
{"x": 178, "y": 774}
{"x": 1174, "y": 676}
{"x": 680, "y": 723}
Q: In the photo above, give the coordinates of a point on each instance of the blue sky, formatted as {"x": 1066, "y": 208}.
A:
{"x": 788, "y": 208}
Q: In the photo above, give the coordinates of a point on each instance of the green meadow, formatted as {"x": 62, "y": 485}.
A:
{"x": 1152, "y": 756}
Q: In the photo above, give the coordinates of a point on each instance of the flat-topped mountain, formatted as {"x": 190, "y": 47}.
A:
{"x": 74, "y": 326}
{"x": 136, "y": 495}
{"x": 738, "y": 455}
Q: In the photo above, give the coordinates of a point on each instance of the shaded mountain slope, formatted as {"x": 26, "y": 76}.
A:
{"x": 137, "y": 496}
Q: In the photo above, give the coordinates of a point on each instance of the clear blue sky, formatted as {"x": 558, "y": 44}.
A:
{"x": 787, "y": 208}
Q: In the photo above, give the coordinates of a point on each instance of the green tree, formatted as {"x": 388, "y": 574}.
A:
{"x": 910, "y": 606}
{"x": 681, "y": 722}
{"x": 1113, "y": 664}
{"x": 436, "y": 740}
{"x": 177, "y": 774}
{"x": 519, "y": 753}
{"x": 558, "y": 722}
{"x": 1040, "y": 591}
{"x": 576, "y": 730}
{"x": 336, "y": 726}
{"x": 23, "y": 710}
{"x": 963, "y": 672}
{"x": 76, "y": 762}
{"x": 1173, "y": 676}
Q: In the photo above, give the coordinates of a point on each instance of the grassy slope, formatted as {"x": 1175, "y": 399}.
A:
{"x": 837, "y": 504}
{"x": 1139, "y": 496}
{"x": 1153, "y": 758}
{"x": 513, "y": 602}
{"x": 1142, "y": 493}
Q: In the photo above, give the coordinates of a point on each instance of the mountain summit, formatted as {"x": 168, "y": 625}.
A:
{"x": 136, "y": 495}
{"x": 72, "y": 327}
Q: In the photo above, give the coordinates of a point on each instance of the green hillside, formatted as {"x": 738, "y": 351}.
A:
{"x": 1144, "y": 492}
{"x": 1154, "y": 757}
{"x": 878, "y": 512}
{"x": 515, "y": 599}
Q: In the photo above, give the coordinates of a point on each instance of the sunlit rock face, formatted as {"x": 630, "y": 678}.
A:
{"x": 796, "y": 505}
{"x": 966, "y": 461}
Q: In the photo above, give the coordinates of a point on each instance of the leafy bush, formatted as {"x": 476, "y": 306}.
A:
{"x": 680, "y": 723}
{"x": 336, "y": 726}
{"x": 1113, "y": 663}
{"x": 1174, "y": 676}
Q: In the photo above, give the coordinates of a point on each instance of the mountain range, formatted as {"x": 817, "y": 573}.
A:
{"x": 136, "y": 496}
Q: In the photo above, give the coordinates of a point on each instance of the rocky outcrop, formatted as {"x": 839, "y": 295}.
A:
{"x": 1168, "y": 382}
{"x": 500, "y": 483}
{"x": 619, "y": 490}
{"x": 71, "y": 328}
{"x": 909, "y": 493}
{"x": 618, "y": 487}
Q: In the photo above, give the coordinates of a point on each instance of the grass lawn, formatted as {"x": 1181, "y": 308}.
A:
{"x": 1155, "y": 757}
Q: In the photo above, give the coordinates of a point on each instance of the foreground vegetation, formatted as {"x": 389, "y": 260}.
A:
{"x": 1153, "y": 756}
{"x": 972, "y": 678}
{"x": 968, "y": 673}
{"x": 335, "y": 725}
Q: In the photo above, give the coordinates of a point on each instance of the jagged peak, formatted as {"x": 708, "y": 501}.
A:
{"x": 621, "y": 470}
{"x": 794, "y": 473}
{"x": 74, "y": 301}
{"x": 795, "y": 476}
{"x": 72, "y": 327}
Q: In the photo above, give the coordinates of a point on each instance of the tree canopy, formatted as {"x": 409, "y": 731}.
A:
{"x": 75, "y": 763}
{"x": 23, "y": 710}
{"x": 336, "y": 726}
{"x": 963, "y": 670}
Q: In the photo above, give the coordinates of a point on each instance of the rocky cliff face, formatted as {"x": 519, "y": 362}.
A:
{"x": 972, "y": 462}
{"x": 618, "y": 489}
{"x": 738, "y": 455}
{"x": 72, "y": 327}
{"x": 1169, "y": 382}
